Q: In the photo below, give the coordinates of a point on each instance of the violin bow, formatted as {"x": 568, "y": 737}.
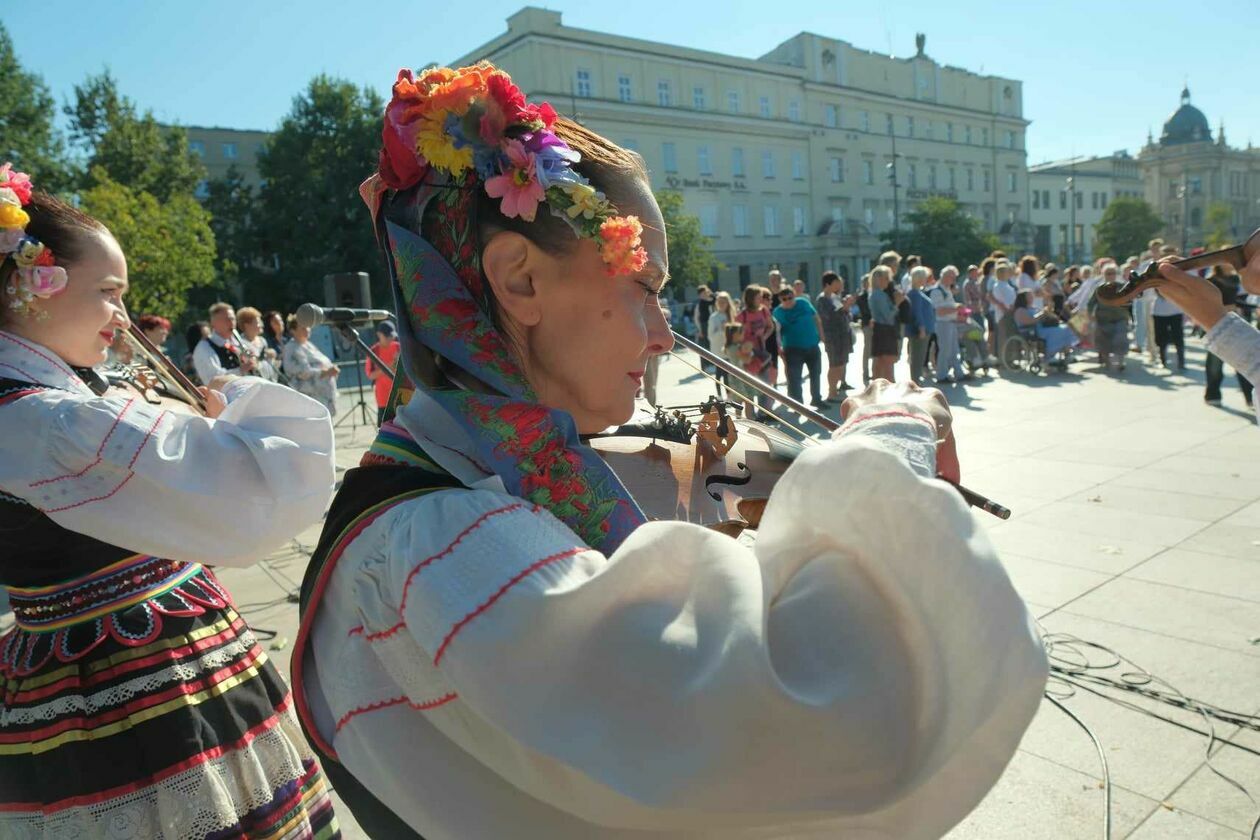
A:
{"x": 159, "y": 361}
{"x": 970, "y": 496}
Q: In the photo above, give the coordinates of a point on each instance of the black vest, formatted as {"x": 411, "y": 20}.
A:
{"x": 230, "y": 359}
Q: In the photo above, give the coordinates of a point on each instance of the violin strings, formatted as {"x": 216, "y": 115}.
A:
{"x": 804, "y": 435}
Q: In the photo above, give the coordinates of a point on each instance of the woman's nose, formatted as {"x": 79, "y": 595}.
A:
{"x": 660, "y": 336}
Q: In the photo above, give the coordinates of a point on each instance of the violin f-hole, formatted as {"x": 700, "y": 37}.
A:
{"x": 731, "y": 480}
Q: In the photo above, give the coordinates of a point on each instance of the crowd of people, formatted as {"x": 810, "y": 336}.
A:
{"x": 952, "y": 325}
{"x": 247, "y": 342}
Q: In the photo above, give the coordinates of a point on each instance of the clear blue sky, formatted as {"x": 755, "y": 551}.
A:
{"x": 1096, "y": 74}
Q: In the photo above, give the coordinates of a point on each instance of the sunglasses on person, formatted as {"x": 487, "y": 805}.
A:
{"x": 786, "y": 295}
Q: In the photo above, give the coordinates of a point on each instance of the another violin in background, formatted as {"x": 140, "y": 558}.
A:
{"x": 1147, "y": 276}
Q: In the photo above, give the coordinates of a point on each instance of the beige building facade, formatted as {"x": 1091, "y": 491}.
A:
{"x": 784, "y": 158}
{"x": 1187, "y": 170}
{"x": 1068, "y": 198}
{"x": 222, "y": 148}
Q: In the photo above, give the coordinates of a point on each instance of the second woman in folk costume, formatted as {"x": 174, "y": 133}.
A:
{"x": 495, "y": 643}
{"x": 135, "y": 702}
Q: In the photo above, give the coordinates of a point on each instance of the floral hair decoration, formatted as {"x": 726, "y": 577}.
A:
{"x": 37, "y": 275}
{"x": 476, "y": 120}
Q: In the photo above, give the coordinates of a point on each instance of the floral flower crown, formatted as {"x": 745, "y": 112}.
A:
{"x": 475, "y": 119}
{"x": 37, "y": 275}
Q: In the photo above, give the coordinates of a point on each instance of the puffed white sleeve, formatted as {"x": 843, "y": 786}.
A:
{"x": 1238, "y": 343}
{"x": 184, "y": 487}
{"x": 868, "y": 660}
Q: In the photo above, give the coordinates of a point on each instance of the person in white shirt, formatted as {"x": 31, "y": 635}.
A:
{"x": 942, "y": 297}
{"x": 906, "y": 281}
{"x": 1027, "y": 282}
{"x": 221, "y": 353}
{"x": 723, "y": 313}
{"x": 1003, "y": 297}
{"x": 497, "y": 643}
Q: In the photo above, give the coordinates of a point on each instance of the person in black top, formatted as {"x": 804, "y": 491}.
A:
{"x": 1230, "y": 287}
{"x": 864, "y": 319}
{"x": 704, "y": 308}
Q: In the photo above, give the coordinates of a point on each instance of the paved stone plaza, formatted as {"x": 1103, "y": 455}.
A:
{"x": 1135, "y": 508}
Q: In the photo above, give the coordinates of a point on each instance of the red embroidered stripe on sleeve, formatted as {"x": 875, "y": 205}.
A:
{"x": 100, "y": 450}
{"x": 533, "y": 567}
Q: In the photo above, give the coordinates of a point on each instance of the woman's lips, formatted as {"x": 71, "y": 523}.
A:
{"x": 637, "y": 376}
{"x": 108, "y": 335}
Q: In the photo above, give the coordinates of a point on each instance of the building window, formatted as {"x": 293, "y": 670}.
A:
{"x": 967, "y": 135}
{"x": 869, "y": 216}
{"x": 865, "y": 118}
{"x": 1196, "y": 185}
{"x": 732, "y": 101}
{"x": 888, "y": 123}
{"x": 702, "y": 160}
{"x": 798, "y": 166}
{"x": 202, "y": 191}
{"x": 831, "y": 116}
{"x": 914, "y": 176}
{"x": 1011, "y": 181}
{"x": 663, "y": 95}
{"x": 971, "y": 180}
{"x": 1080, "y": 201}
{"x": 739, "y": 219}
{"x": 949, "y": 132}
{"x": 1062, "y": 199}
{"x": 631, "y": 144}
{"x": 737, "y": 162}
{"x": 770, "y": 220}
{"x": 1093, "y": 200}
{"x": 868, "y": 172}
{"x": 697, "y": 98}
{"x": 767, "y": 164}
{"x": 1036, "y": 196}
{"x": 909, "y": 126}
{"x": 1010, "y": 139}
{"x": 928, "y": 131}
{"x": 197, "y": 147}
{"x": 229, "y": 151}
{"x": 1045, "y": 199}
{"x": 623, "y": 89}
{"x": 1104, "y": 200}
{"x": 794, "y": 111}
{"x": 837, "y": 170}
{"x": 837, "y": 214}
{"x": 583, "y": 82}
{"x": 984, "y": 137}
{"x": 931, "y": 176}
{"x": 988, "y": 180}
{"x": 953, "y": 184}
{"x": 670, "y": 155}
{"x": 763, "y": 106}
{"x": 1196, "y": 216}
{"x": 709, "y": 220}
{"x": 798, "y": 221}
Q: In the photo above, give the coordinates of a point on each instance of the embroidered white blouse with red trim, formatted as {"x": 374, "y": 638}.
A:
{"x": 864, "y": 670}
{"x": 177, "y": 486}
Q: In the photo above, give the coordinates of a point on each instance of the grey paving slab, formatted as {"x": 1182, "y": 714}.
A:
{"x": 1043, "y": 582}
{"x": 1216, "y": 620}
{"x": 1233, "y": 540}
{"x": 1037, "y": 799}
{"x": 1207, "y": 794}
{"x": 1102, "y": 521}
{"x": 1110, "y": 554}
{"x": 1221, "y": 574}
{"x": 1111, "y": 496}
{"x": 1165, "y": 824}
{"x": 1223, "y": 485}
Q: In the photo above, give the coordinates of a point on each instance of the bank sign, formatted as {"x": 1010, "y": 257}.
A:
{"x": 673, "y": 182}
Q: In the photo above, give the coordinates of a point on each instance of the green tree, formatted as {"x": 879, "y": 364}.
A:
{"x": 169, "y": 245}
{"x": 27, "y": 134}
{"x": 691, "y": 260}
{"x": 231, "y": 204}
{"x": 941, "y": 233}
{"x": 310, "y": 219}
{"x": 1217, "y": 224}
{"x": 127, "y": 147}
{"x": 1126, "y": 227}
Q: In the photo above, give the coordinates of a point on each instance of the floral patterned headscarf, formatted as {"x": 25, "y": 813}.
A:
{"x": 442, "y": 301}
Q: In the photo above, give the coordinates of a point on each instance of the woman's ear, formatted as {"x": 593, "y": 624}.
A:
{"x": 507, "y": 260}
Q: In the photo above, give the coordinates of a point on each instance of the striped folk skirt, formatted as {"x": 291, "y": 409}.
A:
{"x": 136, "y": 703}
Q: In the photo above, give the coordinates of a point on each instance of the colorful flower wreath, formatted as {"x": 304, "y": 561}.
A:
{"x": 475, "y": 118}
{"x": 37, "y": 275}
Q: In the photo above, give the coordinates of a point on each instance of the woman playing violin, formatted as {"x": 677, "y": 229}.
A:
{"x": 136, "y": 701}
{"x": 496, "y": 643}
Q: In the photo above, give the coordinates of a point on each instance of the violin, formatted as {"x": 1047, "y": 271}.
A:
{"x": 719, "y": 470}
{"x": 1147, "y": 275}
{"x": 158, "y": 380}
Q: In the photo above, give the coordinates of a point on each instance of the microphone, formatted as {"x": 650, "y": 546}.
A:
{"x": 309, "y": 315}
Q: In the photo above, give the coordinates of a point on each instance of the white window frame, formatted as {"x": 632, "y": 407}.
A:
{"x": 229, "y": 151}
{"x": 799, "y": 221}
{"x": 698, "y": 99}
{"x": 703, "y": 161}
{"x": 625, "y": 92}
{"x": 737, "y": 162}
{"x": 582, "y": 86}
{"x": 739, "y": 219}
{"x": 669, "y": 157}
{"x": 767, "y": 163}
{"x": 835, "y": 166}
{"x": 794, "y": 111}
{"x": 709, "y": 220}
{"x": 866, "y": 121}
{"x": 798, "y": 166}
{"x": 831, "y": 116}
{"x": 197, "y": 147}
{"x": 912, "y": 176}
{"x": 770, "y": 220}
{"x": 664, "y": 93}
{"x": 732, "y": 101}
{"x": 763, "y": 107}
{"x": 868, "y": 172}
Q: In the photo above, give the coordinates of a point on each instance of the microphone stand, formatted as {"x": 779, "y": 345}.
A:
{"x": 348, "y": 331}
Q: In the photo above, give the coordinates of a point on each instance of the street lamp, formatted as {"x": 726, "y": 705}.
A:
{"x": 1071, "y": 190}
{"x": 892, "y": 179}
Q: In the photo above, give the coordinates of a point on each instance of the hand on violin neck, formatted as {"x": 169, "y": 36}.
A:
{"x": 215, "y": 401}
{"x": 1198, "y": 298}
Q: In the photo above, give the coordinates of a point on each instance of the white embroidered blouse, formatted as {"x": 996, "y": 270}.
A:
{"x": 178, "y": 486}
{"x": 864, "y": 670}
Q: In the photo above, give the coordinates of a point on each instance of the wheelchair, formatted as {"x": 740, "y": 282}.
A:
{"x": 1024, "y": 350}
